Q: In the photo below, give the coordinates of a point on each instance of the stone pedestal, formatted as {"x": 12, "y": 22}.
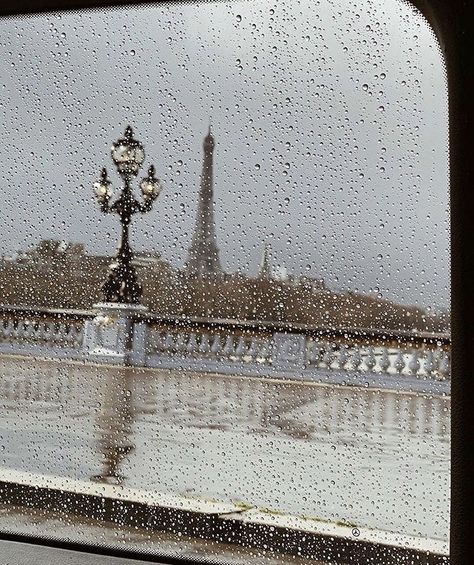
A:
{"x": 116, "y": 334}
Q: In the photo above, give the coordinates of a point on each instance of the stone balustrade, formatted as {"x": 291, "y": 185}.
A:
{"x": 416, "y": 361}
{"x": 233, "y": 348}
{"x": 421, "y": 360}
{"x": 59, "y": 334}
{"x": 32, "y": 333}
{"x": 223, "y": 347}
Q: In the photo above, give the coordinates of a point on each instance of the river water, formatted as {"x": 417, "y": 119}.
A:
{"x": 367, "y": 457}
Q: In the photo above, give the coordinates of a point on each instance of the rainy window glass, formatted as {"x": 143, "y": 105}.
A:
{"x": 224, "y": 274}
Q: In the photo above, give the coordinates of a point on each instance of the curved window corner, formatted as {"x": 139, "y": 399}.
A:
{"x": 225, "y": 330}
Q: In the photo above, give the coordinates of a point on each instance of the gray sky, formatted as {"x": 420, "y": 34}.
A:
{"x": 330, "y": 121}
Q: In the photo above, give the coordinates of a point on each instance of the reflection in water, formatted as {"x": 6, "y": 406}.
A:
{"x": 209, "y": 401}
{"x": 375, "y": 458}
{"x": 114, "y": 421}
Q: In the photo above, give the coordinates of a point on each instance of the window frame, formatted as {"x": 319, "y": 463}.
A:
{"x": 453, "y": 25}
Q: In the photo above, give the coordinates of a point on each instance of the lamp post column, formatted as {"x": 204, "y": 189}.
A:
{"x": 122, "y": 285}
{"x": 116, "y": 333}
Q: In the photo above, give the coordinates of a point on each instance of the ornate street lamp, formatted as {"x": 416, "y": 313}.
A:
{"x": 128, "y": 155}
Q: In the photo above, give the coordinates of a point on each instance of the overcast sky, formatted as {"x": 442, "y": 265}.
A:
{"x": 330, "y": 121}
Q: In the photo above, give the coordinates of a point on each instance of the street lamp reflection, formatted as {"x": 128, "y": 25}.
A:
{"x": 114, "y": 423}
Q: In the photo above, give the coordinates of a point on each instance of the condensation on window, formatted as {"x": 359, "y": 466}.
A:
{"x": 224, "y": 273}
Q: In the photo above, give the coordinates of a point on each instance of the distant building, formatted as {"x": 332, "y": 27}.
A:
{"x": 265, "y": 270}
{"x": 49, "y": 249}
{"x": 279, "y": 273}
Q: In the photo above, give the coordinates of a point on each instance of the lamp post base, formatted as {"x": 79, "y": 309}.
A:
{"x": 116, "y": 334}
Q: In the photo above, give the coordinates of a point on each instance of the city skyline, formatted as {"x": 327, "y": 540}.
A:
{"x": 334, "y": 155}
{"x": 203, "y": 257}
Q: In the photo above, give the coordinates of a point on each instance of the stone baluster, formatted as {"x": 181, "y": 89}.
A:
{"x": 328, "y": 356}
{"x": 318, "y": 352}
{"x": 228, "y": 346}
{"x": 241, "y": 348}
{"x": 204, "y": 346}
{"x": 310, "y": 351}
{"x": 168, "y": 344}
{"x": 74, "y": 332}
{"x": 399, "y": 362}
{"x": 70, "y": 334}
{"x": 414, "y": 363}
{"x": 65, "y": 334}
{"x": 253, "y": 349}
{"x": 28, "y": 331}
{"x": 265, "y": 352}
{"x": 370, "y": 360}
{"x": 60, "y": 334}
{"x": 35, "y": 332}
{"x": 15, "y": 333}
{"x": 57, "y": 333}
{"x": 21, "y": 330}
{"x": 216, "y": 346}
{"x": 180, "y": 344}
{"x": 356, "y": 358}
{"x": 444, "y": 365}
{"x": 25, "y": 331}
{"x": 430, "y": 362}
{"x": 40, "y": 332}
{"x": 5, "y": 329}
{"x": 13, "y": 330}
{"x": 384, "y": 362}
{"x": 192, "y": 346}
{"x": 80, "y": 335}
{"x": 343, "y": 356}
{"x": 47, "y": 332}
{"x": 52, "y": 332}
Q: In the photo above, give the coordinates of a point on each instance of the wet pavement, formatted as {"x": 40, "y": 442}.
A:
{"x": 369, "y": 458}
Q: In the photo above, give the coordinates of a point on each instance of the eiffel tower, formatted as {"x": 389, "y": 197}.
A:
{"x": 203, "y": 257}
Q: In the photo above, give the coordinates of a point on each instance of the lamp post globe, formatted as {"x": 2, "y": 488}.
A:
{"x": 150, "y": 185}
{"x": 128, "y": 154}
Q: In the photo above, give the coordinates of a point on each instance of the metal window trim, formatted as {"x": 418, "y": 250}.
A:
{"x": 453, "y": 24}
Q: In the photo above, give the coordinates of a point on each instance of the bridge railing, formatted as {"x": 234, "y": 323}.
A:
{"x": 267, "y": 348}
{"x": 48, "y": 333}
{"x": 227, "y": 346}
